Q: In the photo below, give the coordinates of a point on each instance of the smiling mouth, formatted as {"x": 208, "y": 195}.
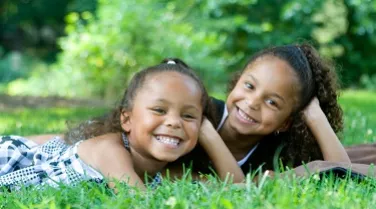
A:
{"x": 245, "y": 117}
{"x": 169, "y": 140}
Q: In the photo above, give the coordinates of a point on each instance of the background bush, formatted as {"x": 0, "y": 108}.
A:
{"x": 103, "y": 43}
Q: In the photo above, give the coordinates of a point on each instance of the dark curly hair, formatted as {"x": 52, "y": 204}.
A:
{"x": 317, "y": 78}
{"x": 110, "y": 123}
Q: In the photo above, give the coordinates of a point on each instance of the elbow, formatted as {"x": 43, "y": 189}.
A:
{"x": 238, "y": 178}
{"x": 341, "y": 159}
{"x": 345, "y": 160}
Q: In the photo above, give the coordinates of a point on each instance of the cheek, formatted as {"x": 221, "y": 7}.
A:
{"x": 234, "y": 95}
{"x": 193, "y": 132}
{"x": 147, "y": 118}
{"x": 276, "y": 118}
{"x": 238, "y": 90}
{"x": 145, "y": 125}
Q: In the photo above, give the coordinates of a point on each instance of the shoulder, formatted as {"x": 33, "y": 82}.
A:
{"x": 218, "y": 104}
{"x": 105, "y": 151}
{"x": 218, "y": 107}
{"x": 112, "y": 146}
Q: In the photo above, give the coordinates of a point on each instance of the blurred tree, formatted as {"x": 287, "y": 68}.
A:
{"x": 359, "y": 42}
{"x": 343, "y": 30}
{"x": 99, "y": 56}
{"x": 33, "y": 26}
{"x": 29, "y": 30}
{"x": 252, "y": 25}
{"x": 103, "y": 49}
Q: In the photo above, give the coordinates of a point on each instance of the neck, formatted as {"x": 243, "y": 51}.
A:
{"x": 145, "y": 164}
{"x": 238, "y": 144}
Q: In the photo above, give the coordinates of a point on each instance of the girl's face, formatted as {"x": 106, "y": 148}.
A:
{"x": 166, "y": 116}
{"x": 263, "y": 98}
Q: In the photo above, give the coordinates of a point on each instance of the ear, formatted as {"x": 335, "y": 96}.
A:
{"x": 125, "y": 120}
{"x": 286, "y": 125}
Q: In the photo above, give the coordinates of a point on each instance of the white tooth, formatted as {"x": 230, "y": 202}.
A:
{"x": 168, "y": 140}
{"x": 243, "y": 114}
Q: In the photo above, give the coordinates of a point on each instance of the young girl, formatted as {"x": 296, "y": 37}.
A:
{"x": 282, "y": 107}
{"x": 158, "y": 120}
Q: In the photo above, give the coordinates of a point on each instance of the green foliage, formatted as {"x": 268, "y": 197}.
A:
{"x": 108, "y": 42}
{"x": 33, "y": 27}
{"x": 358, "y": 41}
{"x": 28, "y": 39}
{"x": 14, "y": 65}
{"x": 368, "y": 82}
{"x": 126, "y": 36}
{"x": 134, "y": 38}
{"x": 342, "y": 30}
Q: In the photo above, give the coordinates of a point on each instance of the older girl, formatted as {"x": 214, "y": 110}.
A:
{"x": 281, "y": 108}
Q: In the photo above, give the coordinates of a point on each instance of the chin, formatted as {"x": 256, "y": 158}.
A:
{"x": 240, "y": 130}
{"x": 167, "y": 158}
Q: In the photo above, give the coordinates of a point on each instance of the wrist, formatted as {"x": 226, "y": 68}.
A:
{"x": 207, "y": 141}
{"x": 315, "y": 119}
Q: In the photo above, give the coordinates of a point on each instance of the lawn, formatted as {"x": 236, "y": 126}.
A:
{"x": 360, "y": 123}
{"x": 360, "y": 117}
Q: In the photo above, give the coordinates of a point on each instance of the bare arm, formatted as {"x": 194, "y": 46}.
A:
{"x": 224, "y": 162}
{"x": 120, "y": 168}
{"x": 327, "y": 139}
{"x": 110, "y": 159}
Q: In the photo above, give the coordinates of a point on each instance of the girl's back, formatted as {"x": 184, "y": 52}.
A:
{"x": 25, "y": 162}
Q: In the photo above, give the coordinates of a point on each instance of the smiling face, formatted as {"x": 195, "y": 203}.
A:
{"x": 166, "y": 116}
{"x": 263, "y": 98}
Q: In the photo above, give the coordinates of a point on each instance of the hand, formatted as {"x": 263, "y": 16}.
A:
{"x": 317, "y": 122}
{"x": 313, "y": 111}
{"x": 223, "y": 161}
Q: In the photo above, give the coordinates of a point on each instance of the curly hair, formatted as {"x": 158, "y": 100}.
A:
{"x": 317, "y": 77}
{"x": 110, "y": 123}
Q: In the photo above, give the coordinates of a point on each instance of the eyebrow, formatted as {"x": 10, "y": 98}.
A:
{"x": 278, "y": 96}
{"x": 272, "y": 94}
{"x": 185, "y": 106}
{"x": 253, "y": 78}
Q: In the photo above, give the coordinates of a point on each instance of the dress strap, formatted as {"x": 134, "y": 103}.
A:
{"x": 125, "y": 141}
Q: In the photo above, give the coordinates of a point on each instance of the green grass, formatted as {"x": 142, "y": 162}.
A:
{"x": 360, "y": 117}
{"x": 41, "y": 121}
{"x": 276, "y": 193}
{"x": 360, "y": 123}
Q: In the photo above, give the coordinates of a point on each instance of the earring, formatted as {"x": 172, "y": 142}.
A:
{"x": 276, "y": 133}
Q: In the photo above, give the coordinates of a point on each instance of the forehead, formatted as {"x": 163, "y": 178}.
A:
{"x": 171, "y": 84}
{"x": 274, "y": 74}
{"x": 170, "y": 78}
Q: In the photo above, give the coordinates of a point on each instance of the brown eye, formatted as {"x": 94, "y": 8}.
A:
{"x": 189, "y": 116}
{"x": 159, "y": 110}
{"x": 271, "y": 102}
{"x": 248, "y": 85}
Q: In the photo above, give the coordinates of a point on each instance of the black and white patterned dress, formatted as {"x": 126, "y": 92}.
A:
{"x": 23, "y": 162}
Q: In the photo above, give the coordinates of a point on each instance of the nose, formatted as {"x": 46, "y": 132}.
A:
{"x": 253, "y": 101}
{"x": 173, "y": 121}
